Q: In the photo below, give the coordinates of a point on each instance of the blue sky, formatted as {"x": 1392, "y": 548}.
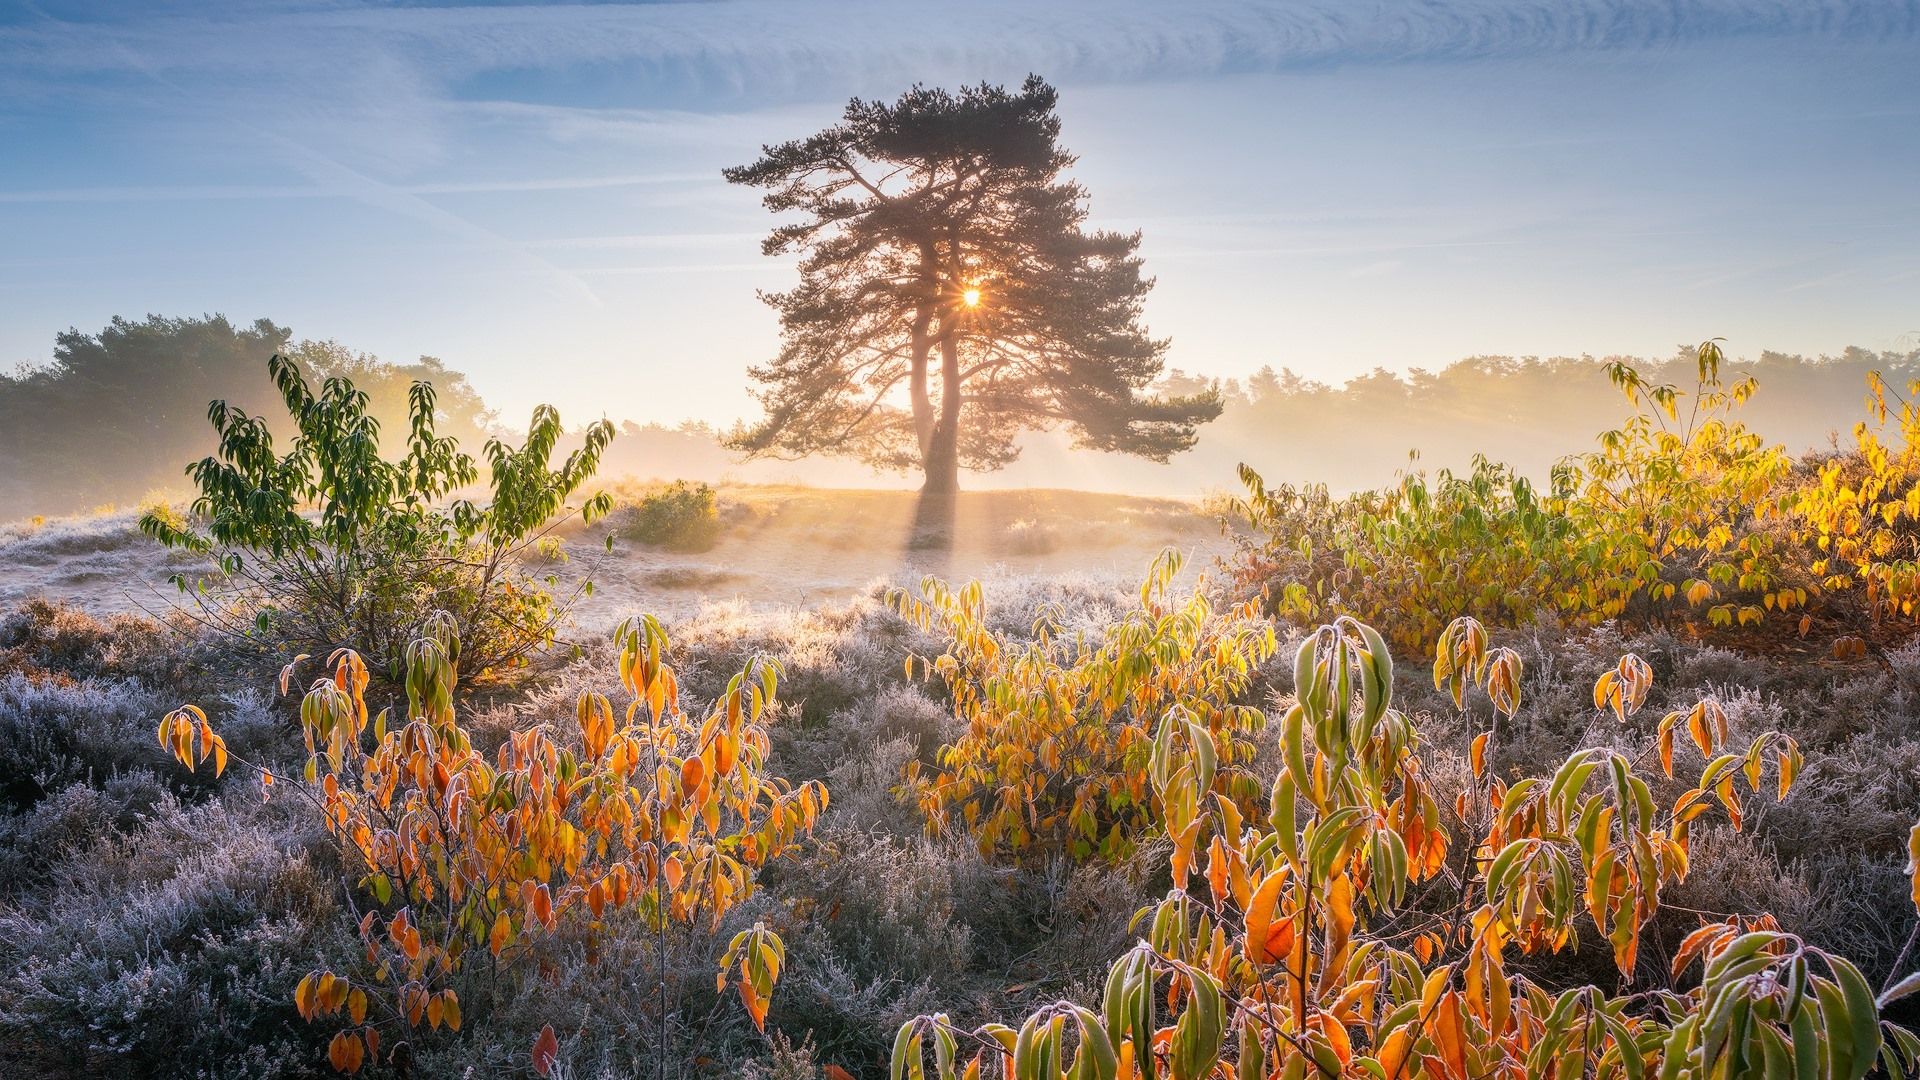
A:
{"x": 533, "y": 194}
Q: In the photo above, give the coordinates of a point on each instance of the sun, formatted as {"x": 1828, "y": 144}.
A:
{"x": 971, "y": 298}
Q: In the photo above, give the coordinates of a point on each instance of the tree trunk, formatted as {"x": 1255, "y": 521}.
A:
{"x": 922, "y": 345}
{"x": 942, "y": 462}
{"x": 942, "y": 458}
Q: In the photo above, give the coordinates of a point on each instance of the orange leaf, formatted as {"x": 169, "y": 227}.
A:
{"x": 542, "y": 906}
{"x": 1335, "y": 1034}
{"x": 756, "y": 1003}
{"x": 1268, "y": 939}
{"x": 1448, "y": 1029}
{"x": 1217, "y": 871}
{"x": 545, "y": 1049}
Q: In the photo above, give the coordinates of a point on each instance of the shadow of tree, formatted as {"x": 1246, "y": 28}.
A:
{"x": 930, "y": 538}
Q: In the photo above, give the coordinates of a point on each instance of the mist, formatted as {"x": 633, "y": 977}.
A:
{"x": 142, "y": 389}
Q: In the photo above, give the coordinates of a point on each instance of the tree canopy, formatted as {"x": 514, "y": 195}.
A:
{"x": 944, "y": 260}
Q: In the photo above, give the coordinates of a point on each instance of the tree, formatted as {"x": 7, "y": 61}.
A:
{"x": 109, "y": 418}
{"x": 943, "y": 258}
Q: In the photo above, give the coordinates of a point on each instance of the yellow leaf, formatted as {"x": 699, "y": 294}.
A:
{"x": 1913, "y": 862}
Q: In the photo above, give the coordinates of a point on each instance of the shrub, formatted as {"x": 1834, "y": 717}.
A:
{"x": 40, "y": 637}
{"x": 1670, "y": 520}
{"x": 680, "y": 517}
{"x": 1031, "y": 537}
{"x": 1059, "y": 728}
{"x": 1669, "y": 507}
{"x": 157, "y": 505}
{"x": 1345, "y": 932}
{"x": 830, "y": 658}
{"x": 1862, "y": 511}
{"x": 889, "y": 933}
{"x": 332, "y": 544}
{"x": 56, "y": 734}
{"x": 167, "y": 952}
{"x": 465, "y": 868}
{"x": 39, "y": 843}
{"x": 1485, "y": 542}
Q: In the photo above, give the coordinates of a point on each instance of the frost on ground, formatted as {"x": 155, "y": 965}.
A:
{"x": 779, "y": 548}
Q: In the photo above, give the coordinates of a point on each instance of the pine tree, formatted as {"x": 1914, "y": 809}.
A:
{"x": 944, "y": 261}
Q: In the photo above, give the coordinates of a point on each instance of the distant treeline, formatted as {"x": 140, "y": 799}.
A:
{"x": 1526, "y": 412}
{"x": 117, "y": 414}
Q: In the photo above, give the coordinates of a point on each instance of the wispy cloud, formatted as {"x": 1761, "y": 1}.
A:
{"x": 763, "y": 47}
{"x": 653, "y": 241}
{"x": 682, "y": 268}
{"x": 1361, "y": 247}
{"x": 223, "y": 192}
{"x": 327, "y": 172}
{"x": 331, "y": 173}
{"x": 604, "y": 123}
{"x": 1428, "y": 154}
{"x": 388, "y": 89}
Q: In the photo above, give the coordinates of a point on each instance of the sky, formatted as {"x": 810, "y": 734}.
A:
{"x": 533, "y": 194}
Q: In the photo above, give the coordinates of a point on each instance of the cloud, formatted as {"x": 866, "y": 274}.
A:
{"x": 1375, "y": 269}
{"x": 768, "y": 48}
{"x": 225, "y": 192}
{"x": 654, "y": 241}
{"x": 328, "y": 172}
{"x": 366, "y": 102}
{"x": 393, "y": 90}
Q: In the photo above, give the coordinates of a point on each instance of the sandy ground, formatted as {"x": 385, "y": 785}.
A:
{"x": 781, "y": 548}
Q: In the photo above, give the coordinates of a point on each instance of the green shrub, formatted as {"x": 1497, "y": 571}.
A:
{"x": 331, "y": 544}
{"x": 1484, "y": 541}
{"x": 680, "y": 517}
{"x": 1672, "y": 520}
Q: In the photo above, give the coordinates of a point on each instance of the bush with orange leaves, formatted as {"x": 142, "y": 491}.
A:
{"x": 1060, "y": 728}
{"x": 1350, "y": 932}
{"x": 464, "y": 865}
